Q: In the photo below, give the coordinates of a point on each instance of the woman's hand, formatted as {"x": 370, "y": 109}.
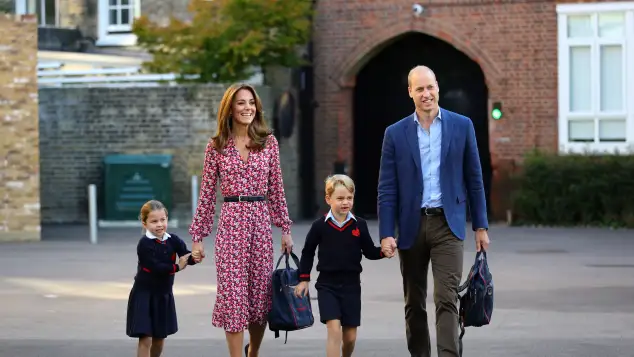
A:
{"x": 287, "y": 243}
{"x": 198, "y": 252}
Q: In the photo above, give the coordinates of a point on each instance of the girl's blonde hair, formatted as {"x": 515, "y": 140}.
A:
{"x": 150, "y": 206}
{"x": 258, "y": 130}
{"x": 338, "y": 180}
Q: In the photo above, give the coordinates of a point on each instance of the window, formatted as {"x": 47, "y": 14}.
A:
{"x": 596, "y": 76}
{"x": 115, "y": 22}
{"x": 120, "y": 16}
{"x": 46, "y": 10}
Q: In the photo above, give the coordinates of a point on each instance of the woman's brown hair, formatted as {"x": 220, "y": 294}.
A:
{"x": 258, "y": 131}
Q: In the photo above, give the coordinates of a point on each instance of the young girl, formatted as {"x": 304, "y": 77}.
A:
{"x": 151, "y": 309}
{"x": 341, "y": 238}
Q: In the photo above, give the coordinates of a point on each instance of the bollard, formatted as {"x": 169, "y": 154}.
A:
{"x": 194, "y": 195}
{"x": 92, "y": 212}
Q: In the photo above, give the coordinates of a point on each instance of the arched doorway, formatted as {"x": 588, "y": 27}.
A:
{"x": 381, "y": 99}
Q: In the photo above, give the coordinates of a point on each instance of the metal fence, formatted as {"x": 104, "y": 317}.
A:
{"x": 51, "y": 74}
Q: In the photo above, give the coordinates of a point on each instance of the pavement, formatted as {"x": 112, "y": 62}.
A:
{"x": 559, "y": 292}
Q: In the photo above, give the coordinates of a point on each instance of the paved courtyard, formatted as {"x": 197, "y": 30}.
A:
{"x": 559, "y": 292}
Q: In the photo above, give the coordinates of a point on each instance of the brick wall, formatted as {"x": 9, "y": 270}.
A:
{"x": 79, "y": 126}
{"x": 514, "y": 42}
{"x": 19, "y": 152}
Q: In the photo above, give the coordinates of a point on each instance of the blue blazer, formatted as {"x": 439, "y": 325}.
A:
{"x": 400, "y": 188}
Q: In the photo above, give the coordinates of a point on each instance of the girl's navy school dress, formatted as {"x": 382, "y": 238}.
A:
{"x": 339, "y": 265}
{"x": 151, "y": 308}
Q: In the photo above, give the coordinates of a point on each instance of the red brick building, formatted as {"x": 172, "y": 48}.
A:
{"x": 563, "y": 72}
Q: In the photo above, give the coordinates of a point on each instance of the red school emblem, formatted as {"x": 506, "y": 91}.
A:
{"x": 356, "y": 232}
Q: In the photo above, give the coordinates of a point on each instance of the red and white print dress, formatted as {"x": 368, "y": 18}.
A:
{"x": 244, "y": 242}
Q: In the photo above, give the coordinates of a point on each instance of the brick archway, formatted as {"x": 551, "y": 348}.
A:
{"x": 347, "y": 67}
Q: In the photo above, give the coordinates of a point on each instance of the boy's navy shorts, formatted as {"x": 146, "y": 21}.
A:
{"x": 339, "y": 299}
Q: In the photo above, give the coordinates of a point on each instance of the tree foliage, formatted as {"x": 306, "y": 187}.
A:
{"x": 226, "y": 40}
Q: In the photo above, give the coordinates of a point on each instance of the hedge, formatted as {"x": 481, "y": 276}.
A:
{"x": 575, "y": 190}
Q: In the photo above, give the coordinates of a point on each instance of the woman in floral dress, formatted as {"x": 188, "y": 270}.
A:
{"x": 244, "y": 156}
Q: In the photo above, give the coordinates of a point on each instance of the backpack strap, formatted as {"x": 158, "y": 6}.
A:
{"x": 277, "y": 334}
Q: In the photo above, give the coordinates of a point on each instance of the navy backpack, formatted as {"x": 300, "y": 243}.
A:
{"x": 476, "y": 305}
{"x": 289, "y": 312}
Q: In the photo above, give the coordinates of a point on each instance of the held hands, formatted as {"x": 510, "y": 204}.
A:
{"x": 182, "y": 261}
{"x": 388, "y": 246}
{"x": 301, "y": 289}
{"x": 198, "y": 252}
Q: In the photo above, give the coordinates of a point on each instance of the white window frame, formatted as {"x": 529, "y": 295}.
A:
{"x": 117, "y": 35}
{"x": 593, "y": 9}
{"x": 21, "y": 9}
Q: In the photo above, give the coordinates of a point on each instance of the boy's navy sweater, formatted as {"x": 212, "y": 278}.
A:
{"x": 340, "y": 248}
{"x": 158, "y": 262}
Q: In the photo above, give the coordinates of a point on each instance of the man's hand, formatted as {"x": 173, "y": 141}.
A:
{"x": 388, "y": 246}
{"x": 482, "y": 240}
{"x": 198, "y": 252}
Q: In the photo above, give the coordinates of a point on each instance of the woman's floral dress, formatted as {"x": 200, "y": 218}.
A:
{"x": 244, "y": 242}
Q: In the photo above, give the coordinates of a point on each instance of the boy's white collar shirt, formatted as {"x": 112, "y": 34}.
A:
{"x": 149, "y": 234}
{"x": 331, "y": 216}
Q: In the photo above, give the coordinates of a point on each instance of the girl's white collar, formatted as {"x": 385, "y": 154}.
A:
{"x": 166, "y": 235}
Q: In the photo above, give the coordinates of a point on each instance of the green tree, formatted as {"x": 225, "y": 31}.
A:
{"x": 6, "y": 6}
{"x": 226, "y": 40}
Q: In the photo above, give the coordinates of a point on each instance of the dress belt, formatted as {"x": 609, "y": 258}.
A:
{"x": 243, "y": 198}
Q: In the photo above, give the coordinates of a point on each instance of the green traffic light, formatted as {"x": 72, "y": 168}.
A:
{"x": 496, "y": 114}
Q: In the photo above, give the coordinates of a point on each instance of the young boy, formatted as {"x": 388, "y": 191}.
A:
{"x": 341, "y": 238}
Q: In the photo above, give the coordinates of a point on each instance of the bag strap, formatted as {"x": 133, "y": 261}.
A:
{"x": 295, "y": 259}
{"x": 278, "y": 261}
{"x": 464, "y": 285}
{"x": 286, "y": 255}
{"x": 480, "y": 256}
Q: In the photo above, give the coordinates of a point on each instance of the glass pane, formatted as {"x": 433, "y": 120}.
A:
{"x": 113, "y": 2}
{"x": 580, "y": 79}
{"x": 38, "y": 11}
{"x": 113, "y": 17}
{"x": 612, "y": 25}
{"x": 611, "y": 78}
{"x": 580, "y": 26}
{"x": 125, "y": 2}
{"x": 31, "y": 5}
{"x": 125, "y": 17}
{"x": 51, "y": 12}
{"x": 612, "y": 130}
{"x": 581, "y": 130}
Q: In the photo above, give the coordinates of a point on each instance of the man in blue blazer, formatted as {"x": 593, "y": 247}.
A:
{"x": 430, "y": 169}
